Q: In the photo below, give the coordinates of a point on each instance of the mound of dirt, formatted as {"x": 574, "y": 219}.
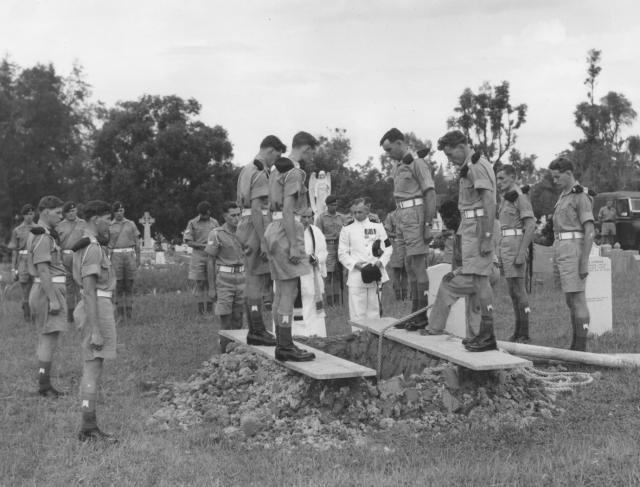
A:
{"x": 251, "y": 399}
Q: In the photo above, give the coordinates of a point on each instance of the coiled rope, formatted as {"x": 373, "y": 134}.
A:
{"x": 558, "y": 381}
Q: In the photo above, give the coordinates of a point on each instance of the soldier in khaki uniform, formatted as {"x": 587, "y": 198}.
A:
{"x": 92, "y": 271}
{"x": 573, "y": 236}
{"x": 330, "y": 223}
{"x": 415, "y": 196}
{"x": 607, "y": 216}
{"x": 47, "y": 298}
{"x": 124, "y": 248}
{"x": 477, "y": 203}
{"x": 195, "y": 236}
{"x": 228, "y": 271}
{"x": 70, "y": 230}
{"x": 397, "y": 262}
{"x": 253, "y": 199}
{"x": 18, "y": 246}
{"x": 285, "y": 241}
{"x": 517, "y": 225}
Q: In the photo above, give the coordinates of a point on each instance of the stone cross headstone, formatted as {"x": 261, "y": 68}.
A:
{"x": 147, "y": 220}
{"x": 599, "y": 295}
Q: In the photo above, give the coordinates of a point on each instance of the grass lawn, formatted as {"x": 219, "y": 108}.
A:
{"x": 594, "y": 443}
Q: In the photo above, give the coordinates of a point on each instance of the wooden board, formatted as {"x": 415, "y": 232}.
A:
{"x": 324, "y": 367}
{"x": 446, "y": 347}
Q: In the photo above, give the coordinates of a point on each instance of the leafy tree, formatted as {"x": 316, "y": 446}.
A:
{"x": 154, "y": 155}
{"x": 489, "y": 119}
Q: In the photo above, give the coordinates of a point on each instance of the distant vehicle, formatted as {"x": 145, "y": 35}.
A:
{"x": 627, "y": 204}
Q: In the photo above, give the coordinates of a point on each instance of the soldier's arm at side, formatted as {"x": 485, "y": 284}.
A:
{"x": 258, "y": 223}
{"x": 13, "y": 245}
{"x": 288, "y": 218}
{"x": 91, "y": 307}
{"x": 42, "y": 269}
{"x": 486, "y": 221}
{"x": 586, "y": 248}
{"x": 529, "y": 229}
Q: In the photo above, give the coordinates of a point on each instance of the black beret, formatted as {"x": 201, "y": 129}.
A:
{"x": 511, "y": 196}
{"x": 370, "y": 273}
{"x": 376, "y": 248}
{"x": 408, "y": 159}
{"x": 117, "y": 206}
{"x": 284, "y": 164}
{"x": 68, "y": 206}
{"x": 331, "y": 199}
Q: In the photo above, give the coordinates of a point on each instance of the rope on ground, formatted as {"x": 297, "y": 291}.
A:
{"x": 392, "y": 325}
{"x": 558, "y": 381}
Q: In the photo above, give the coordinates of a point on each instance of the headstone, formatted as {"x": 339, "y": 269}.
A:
{"x": 599, "y": 294}
{"x": 147, "y": 255}
{"x": 456, "y": 323}
{"x": 160, "y": 258}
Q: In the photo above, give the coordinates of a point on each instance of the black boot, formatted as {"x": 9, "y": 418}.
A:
{"x": 485, "y": 339}
{"x": 420, "y": 322}
{"x": 286, "y": 350}
{"x": 329, "y": 300}
{"x": 414, "y": 308}
{"x": 258, "y": 334}
{"x": 579, "y": 343}
{"x": 524, "y": 325}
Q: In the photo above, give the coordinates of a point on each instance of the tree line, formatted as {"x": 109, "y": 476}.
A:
{"x": 155, "y": 154}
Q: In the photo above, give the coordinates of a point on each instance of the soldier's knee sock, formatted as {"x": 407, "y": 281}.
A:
{"x": 413, "y": 286}
{"x": 517, "y": 312}
{"x": 486, "y": 321}
{"x": 524, "y": 320}
{"x": 423, "y": 294}
{"x": 88, "y": 408}
{"x": 44, "y": 375}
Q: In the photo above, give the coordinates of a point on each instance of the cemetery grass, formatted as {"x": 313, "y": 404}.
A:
{"x": 593, "y": 443}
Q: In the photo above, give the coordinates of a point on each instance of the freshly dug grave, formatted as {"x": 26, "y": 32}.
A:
{"x": 248, "y": 398}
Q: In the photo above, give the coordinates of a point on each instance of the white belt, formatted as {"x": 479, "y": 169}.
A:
{"x": 247, "y": 212}
{"x": 473, "y": 213}
{"x": 569, "y": 235}
{"x": 512, "y": 232}
{"x": 410, "y": 203}
{"x": 104, "y": 294}
{"x": 277, "y": 215}
{"x": 124, "y": 250}
{"x": 68, "y": 251}
{"x": 23, "y": 252}
{"x": 54, "y": 279}
{"x": 231, "y": 269}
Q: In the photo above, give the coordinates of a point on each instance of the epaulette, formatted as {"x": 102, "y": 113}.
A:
{"x": 476, "y": 157}
{"x": 283, "y": 165}
{"x": 81, "y": 244}
{"x": 408, "y": 159}
{"x": 577, "y": 189}
{"x": 525, "y": 189}
{"x": 511, "y": 196}
{"x": 422, "y": 153}
{"x": 258, "y": 164}
{"x": 37, "y": 230}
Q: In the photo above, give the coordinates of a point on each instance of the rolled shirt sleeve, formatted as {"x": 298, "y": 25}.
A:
{"x": 423, "y": 174}
{"x": 584, "y": 209}
{"x": 479, "y": 176}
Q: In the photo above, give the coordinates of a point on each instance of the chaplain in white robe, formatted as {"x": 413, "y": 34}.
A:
{"x": 308, "y": 313}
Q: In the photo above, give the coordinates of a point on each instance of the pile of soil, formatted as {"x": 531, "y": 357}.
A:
{"x": 249, "y": 398}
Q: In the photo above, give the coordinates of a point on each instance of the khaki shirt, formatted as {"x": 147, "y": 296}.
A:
{"x": 290, "y": 183}
{"x": 20, "y": 235}
{"x": 198, "y": 230}
{"x": 123, "y": 234}
{"x": 480, "y": 177}
{"x": 330, "y": 225}
{"x": 253, "y": 183}
{"x": 607, "y": 215}
{"x": 93, "y": 260}
{"x": 224, "y": 246}
{"x": 411, "y": 180}
{"x": 44, "y": 249}
{"x": 70, "y": 232}
{"x": 511, "y": 215}
{"x": 571, "y": 212}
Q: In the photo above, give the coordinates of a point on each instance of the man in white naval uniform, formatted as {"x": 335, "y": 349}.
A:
{"x": 355, "y": 251}
{"x": 308, "y": 312}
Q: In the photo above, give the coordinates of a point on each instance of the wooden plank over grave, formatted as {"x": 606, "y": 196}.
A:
{"x": 324, "y": 367}
{"x": 445, "y": 347}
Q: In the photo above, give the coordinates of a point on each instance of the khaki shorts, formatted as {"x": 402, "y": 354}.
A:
{"x": 472, "y": 261}
{"x": 229, "y": 291}
{"x": 39, "y": 304}
{"x": 124, "y": 265}
{"x": 508, "y": 251}
{"x": 254, "y": 264}
{"x": 198, "y": 265}
{"x": 410, "y": 231}
{"x": 397, "y": 256}
{"x": 332, "y": 255}
{"x": 278, "y": 250}
{"x": 23, "y": 271}
{"x": 566, "y": 258}
{"x": 106, "y": 326}
{"x": 608, "y": 228}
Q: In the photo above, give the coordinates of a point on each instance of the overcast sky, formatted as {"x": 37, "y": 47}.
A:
{"x": 260, "y": 67}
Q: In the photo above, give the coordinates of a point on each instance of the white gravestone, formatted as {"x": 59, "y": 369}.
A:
{"x": 147, "y": 256}
{"x": 599, "y": 295}
{"x": 456, "y": 323}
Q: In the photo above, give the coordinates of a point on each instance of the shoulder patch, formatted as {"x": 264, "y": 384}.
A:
{"x": 422, "y": 153}
{"x": 511, "y": 196}
{"x": 525, "y": 189}
{"x": 408, "y": 159}
{"x": 258, "y": 164}
{"x": 476, "y": 157}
